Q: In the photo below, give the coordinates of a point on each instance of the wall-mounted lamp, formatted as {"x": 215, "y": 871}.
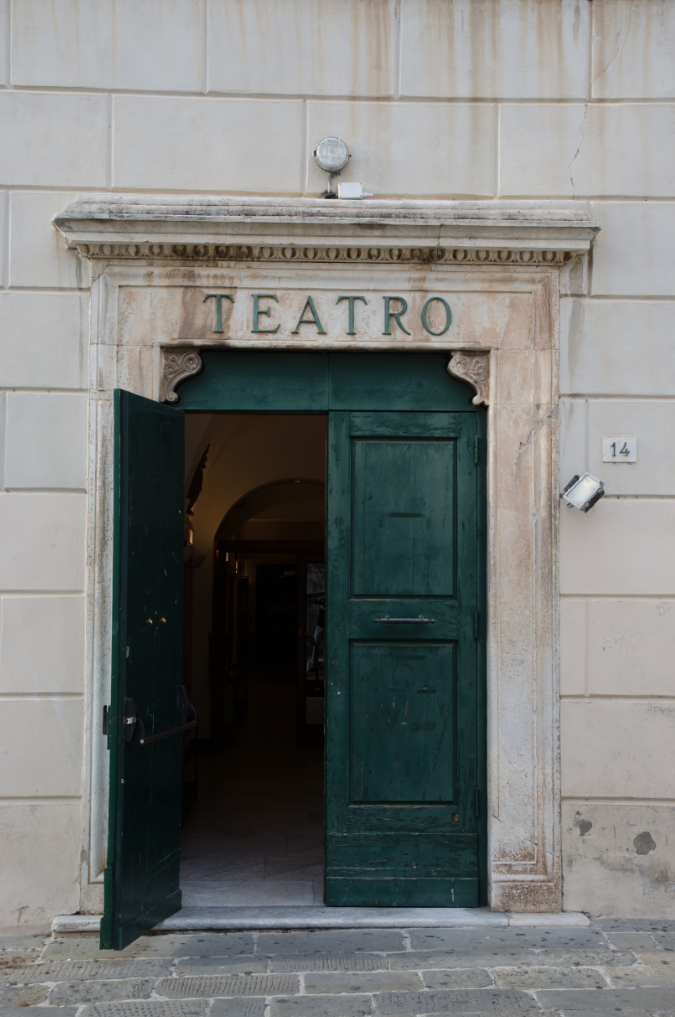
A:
{"x": 331, "y": 155}
{"x": 583, "y": 492}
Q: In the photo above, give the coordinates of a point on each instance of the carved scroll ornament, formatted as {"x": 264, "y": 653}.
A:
{"x": 473, "y": 368}
{"x": 178, "y": 367}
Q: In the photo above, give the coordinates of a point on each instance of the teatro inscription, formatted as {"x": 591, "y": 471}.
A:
{"x": 307, "y": 315}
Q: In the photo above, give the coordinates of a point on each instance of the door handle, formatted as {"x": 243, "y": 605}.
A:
{"x": 420, "y": 620}
{"x": 133, "y": 723}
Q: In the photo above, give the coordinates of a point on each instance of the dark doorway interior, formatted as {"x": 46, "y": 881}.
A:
{"x": 253, "y": 812}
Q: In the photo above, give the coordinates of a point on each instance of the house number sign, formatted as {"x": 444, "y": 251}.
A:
{"x": 308, "y": 316}
{"x": 619, "y": 450}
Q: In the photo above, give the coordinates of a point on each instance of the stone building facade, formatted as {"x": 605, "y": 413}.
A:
{"x": 560, "y": 112}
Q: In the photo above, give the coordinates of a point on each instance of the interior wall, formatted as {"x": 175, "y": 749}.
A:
{"x": 246, "y": 451}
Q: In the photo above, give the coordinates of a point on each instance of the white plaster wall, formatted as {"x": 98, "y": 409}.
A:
{"x": 436, "y": 98}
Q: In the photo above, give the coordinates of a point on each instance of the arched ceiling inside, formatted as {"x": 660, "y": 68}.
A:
{"x": 249, "y": 452}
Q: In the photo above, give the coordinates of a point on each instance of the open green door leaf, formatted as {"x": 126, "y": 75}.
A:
{"x": 147, "y": 699}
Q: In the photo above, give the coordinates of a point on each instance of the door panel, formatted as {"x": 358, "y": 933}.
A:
{"x": 402, "y": 534}
{"x": 402, "y": 703}
{"x": 141, "y": 879}
{"x": 402, "y": 676}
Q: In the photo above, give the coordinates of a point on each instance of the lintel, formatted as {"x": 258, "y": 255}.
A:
{"x": 112, "y": 226}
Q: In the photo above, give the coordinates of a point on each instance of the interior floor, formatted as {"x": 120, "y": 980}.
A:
{"x": 254, "y": 836}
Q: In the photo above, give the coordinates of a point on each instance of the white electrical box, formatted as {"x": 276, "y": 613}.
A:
{"x": 619, "y": 450}
{"x": 352, "y": 191}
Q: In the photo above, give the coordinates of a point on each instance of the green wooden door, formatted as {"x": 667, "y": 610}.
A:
{"x": 403, "y": 700}
{"x": 141, "y": 878}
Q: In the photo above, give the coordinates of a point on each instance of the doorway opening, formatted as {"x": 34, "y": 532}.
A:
{"x": 254, "y": 590}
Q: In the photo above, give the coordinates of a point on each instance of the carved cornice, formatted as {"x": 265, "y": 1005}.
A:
{"x": 473, "y": 368}
{"x": 306, "y": 230}
{"x": 176, "y": 368}
{"x": 287, "y": 253}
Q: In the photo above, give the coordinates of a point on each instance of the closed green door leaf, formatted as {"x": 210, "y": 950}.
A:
{"x": 141, "y": 880}
{"x": 403, "y": 697}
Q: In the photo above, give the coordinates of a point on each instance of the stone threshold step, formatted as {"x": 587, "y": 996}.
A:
{"x": 196, "y": 919}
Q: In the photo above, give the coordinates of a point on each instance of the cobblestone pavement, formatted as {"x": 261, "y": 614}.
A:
{"x": 618, "y": 966}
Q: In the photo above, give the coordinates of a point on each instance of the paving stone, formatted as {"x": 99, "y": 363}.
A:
{"x": 320, "y": 1006}
{"x": 461, "y": 978}
{"x": 666, "y": 940}
{"x": 13, "y": 1011}
{"x": 329, "y": 941}
{"x": 330, "y": 962}
{"x": 635, "y": 924}
{"x": 76, "y": 993}
{"x": 11, "y": 942}
{"x": 469, "y": 940}
{"x": 471, "y": 1001}
{"x": 239, "y": 1007}
{"x": 363, "y": 981}
{"x": 146, "y": 1008}
{"x": 71, "y": 971}
{"x": 631, "y": 940}
{"x": 10, "y": 960}
{"x": 23, "y": 995}
{"x": 227, "y": 985}
{"x": 416, "y": 960}
{"x": 244, "y": 965}
{"x": 623, "y": 1000}
{"x": 612, "y": 1013}
{"x": 198, "y": 944}
{"x": 656, "y": 968}
{"x": 549, "y": 978}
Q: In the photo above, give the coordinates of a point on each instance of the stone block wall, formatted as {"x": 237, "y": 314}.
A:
{"x": 479, "y": 99}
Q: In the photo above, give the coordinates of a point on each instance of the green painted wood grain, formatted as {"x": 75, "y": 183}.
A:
{"x": 141, "y": 881}
{"x": 402, "y": 701}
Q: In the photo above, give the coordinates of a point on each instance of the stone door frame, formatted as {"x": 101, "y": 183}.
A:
{"x": 479, "y": 248}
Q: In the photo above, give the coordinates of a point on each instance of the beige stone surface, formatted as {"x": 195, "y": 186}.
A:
{"x": 156, "y": 44}
{"x": 653, "y": 423}
{"x": 573, "y": 652}
{"x": 3, "y": 431}
{"x": 605, "y": 871}
{"x": 617, "y": 646}
{"x": 631, "y": 256}
{"x": 4, "y": 212}
{"x": 617, "y": 748}
{"x": 347, "y": 48}
{"x": 42, "y": 747}
{"x": 573, "y": 440}
{"x": 42, "y": 130}
{"x": 568, "y": 150}
{"x": 41, "y": 848}
{"x": 617, "y": 347}
{"x": 46, "y": 440}
{"x": 457, "y": 142}
{"x": 42, "y": 644}
{"x": 633, "y": 49}
{"x": 4, "y": 21}
{"x": 37, "y": 254}
{"x": 505, "y": 49}
{"x": 611, "y": 549}
{"x": 46, "y": 550}
{"x": 148, "y": 315}
{"x": 43, "y": 340}
{"x": 222, "y": 145}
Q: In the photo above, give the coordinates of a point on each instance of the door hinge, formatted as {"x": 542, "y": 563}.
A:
{"x": 107, "y": 721}
{"x": 475, "y": 449}
{"x": 477, "y": 801}
{"x": 476, "y": 624}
